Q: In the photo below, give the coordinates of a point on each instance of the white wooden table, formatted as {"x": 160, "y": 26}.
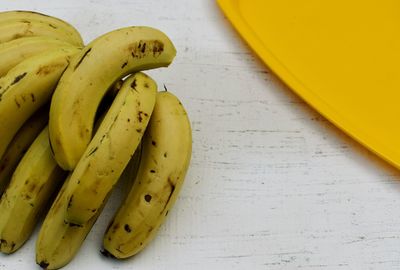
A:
{"x": 272, "y": 184}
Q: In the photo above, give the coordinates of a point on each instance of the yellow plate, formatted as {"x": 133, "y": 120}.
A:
{"x": 342, "y": 57}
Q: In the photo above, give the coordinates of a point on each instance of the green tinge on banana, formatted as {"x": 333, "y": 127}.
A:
{"x": 14, "y": 29}
{"x": 111, "y": 148}
{"x": 56, "y": 23}
{"x": 20, "y": 144}
{"x": 84, "y": 83}
{"x": 15, "y": 51}
{"x": 27, "y": 87}
{"x": 166, "y": 154}
{"x": 58, "y": 240}
{"x": 32, "y": 186}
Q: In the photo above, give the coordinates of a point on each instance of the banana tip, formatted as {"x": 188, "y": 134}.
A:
{"x": 107, "y": 254}
{"x": 43, "y": 264}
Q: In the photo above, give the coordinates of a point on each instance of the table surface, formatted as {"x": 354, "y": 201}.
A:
{"x": 272, "y": 184}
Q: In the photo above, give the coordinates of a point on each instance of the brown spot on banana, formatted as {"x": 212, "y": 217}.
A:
{"x": 172, "y": 186}
{"x": 70, "y": 201}
{"x": 127, "y": 228}
{"x": 32, "y": 187}
{"x": 18, "y": 78}
{"x": 17, "y": 103}
{"x": 107, "y": 254}
{"x": 158, "y": 48}
{"x": 142, "y": 48}
{"x": 133, "y": 85}
{"x": 147, "y": 198}
{"x": 43, "y": 264}
{"x": 74, "y": 225}
{"x": 82, "y": 58}
{"x": 92, "y": 151}
{"x": 46, "y": 70}
{"x": 140, "y": 117}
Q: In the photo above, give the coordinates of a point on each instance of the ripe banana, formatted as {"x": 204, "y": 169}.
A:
{"x": 109, "y": 152}
{"x": 10, "y": 30}
{"x": 57, "y": 24}
{"x": 20, "y": 144}
{"x": 15, "y": 51}
{"x": 59, "y": 241}
{"x": 166, "y": 154}
{"x": 109, "y": 57}
{"x": 27, "y": 87}
{"x": 32, "y": 185}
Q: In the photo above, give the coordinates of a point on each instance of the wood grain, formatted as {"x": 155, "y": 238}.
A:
{"x": 272, "y": 184}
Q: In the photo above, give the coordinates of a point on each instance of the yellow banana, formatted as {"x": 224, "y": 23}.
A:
{"x": 27, "y": 87}
{"x": 166, "y": 154}
{"x": 14, "y": 29}
{"x": 32, "y": 186}
{"x": 20, "y": 144}
{"x": 109, "y": 57}
{"x": 57, "y": 24}
{"x": 15, "y": 51}
{"x": 111, "y": 148}
{"x": 58, "y": 240}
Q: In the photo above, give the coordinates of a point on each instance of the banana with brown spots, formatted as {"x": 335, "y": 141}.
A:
{"x": 62, "y": 28}
{"x": 102, "y": 62}
{"x": 20, "y": 144}
{"x": 111, "y": 148}
{"x": 33, "y": 184}
{"x": 27, "y": 87}
{"x": 166, "y": 153}
{"x": 58, "y": 240}
{"x": 15, "y": 51}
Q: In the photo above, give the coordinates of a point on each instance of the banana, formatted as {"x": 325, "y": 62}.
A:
{"x": 57, "y": 24}
{"x": 27, "y": 87}
{"x": 14, "y": 29}
{"x": 166, "y": 154}
{"x": 109, "y": 57}
{"x": 58, "y": 240}
{"x": 15, "y": 51}
{"x": 32, "y": 186}
{"x": 109, "y": 152}
{"x": 20, "y": 144}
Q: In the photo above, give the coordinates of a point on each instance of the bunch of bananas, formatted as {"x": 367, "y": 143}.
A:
{"x": 73, "y": 120}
